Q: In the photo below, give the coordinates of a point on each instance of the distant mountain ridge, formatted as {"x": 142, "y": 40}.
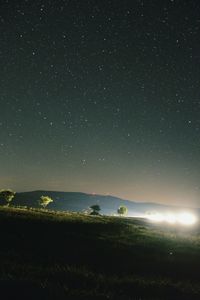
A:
{"x": 77, "y": 201}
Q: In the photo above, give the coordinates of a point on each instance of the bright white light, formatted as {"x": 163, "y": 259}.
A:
{"x": 170, "y": 218}
{"x": 156, "y": 217}
{"x": 186, "y": 219}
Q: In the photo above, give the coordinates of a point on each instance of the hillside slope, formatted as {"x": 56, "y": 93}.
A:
{"x": 48, "y": 255}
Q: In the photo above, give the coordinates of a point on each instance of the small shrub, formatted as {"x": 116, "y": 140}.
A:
{"x": 44, "y": 201}
{"x": 122, "y": 210}
{"x": 7, "y": 196}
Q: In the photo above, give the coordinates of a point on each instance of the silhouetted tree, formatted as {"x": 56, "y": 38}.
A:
{"x": 95, "y": 209}
{"x": 7, "y": 195}
{"x": 44, "y": 201}
{"x": 122, "y": 210}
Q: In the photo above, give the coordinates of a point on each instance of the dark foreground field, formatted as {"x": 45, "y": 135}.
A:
{"x": 47, "y": 255}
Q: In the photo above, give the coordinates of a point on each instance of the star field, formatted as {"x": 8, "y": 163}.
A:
{"x": 101, "y": 96}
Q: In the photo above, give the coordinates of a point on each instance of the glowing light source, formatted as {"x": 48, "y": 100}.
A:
{"x": 157, "y": 217}
{"x": 184, "y": 218}
{"x": 170, "y": 218}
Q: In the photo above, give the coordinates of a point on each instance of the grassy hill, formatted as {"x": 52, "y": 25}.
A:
{"x": 52, "y": 255}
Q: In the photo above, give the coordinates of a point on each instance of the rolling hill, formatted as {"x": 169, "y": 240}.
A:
{"x": 48, "y": 255}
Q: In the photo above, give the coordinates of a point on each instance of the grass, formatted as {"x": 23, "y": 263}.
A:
{"x": 57, "y": 255}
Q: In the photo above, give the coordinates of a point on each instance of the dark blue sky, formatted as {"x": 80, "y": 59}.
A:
{"x": 101, "y": 96}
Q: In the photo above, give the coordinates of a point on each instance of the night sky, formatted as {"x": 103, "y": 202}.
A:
{"x": 101, "y": 97}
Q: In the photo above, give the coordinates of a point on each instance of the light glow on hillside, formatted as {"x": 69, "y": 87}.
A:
{"x": 184, "y": 218}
